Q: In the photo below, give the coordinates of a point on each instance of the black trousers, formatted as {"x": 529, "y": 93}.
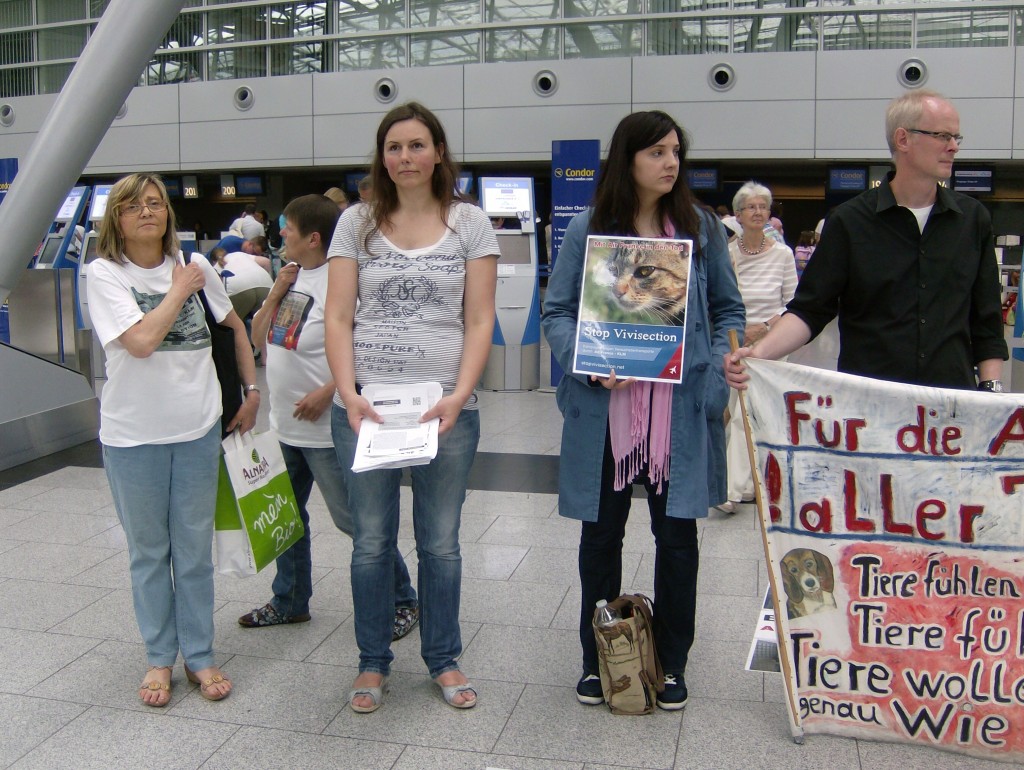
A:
{"x": 675, "y": 569}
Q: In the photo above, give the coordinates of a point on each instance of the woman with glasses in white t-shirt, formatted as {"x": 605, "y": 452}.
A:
{"x": 160, "y": 425}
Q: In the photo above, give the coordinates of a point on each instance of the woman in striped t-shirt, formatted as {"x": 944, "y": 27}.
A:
{"x": 766, "y": 272}
{"x": 423, "y": 265}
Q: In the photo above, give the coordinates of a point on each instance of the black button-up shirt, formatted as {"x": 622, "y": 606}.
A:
{"x": 913, "y": 307}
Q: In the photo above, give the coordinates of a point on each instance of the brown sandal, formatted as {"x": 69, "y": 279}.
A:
{"x": 155, "y": 686}
{"x": 205, "y": 684}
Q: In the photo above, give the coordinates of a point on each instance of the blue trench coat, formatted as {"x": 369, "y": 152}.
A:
{"x": 697, "y": 472}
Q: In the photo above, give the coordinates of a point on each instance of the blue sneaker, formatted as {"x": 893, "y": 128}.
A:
{"x": 588, "y": 690}
{"x": 675, "y": 696}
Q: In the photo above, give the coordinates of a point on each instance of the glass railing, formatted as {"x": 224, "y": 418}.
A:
{"x": 224, "y": 39}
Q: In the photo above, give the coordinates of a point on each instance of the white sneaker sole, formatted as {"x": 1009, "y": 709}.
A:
{"x": 672, "y": 706}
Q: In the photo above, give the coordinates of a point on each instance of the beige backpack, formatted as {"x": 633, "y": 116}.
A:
{"x": 631, "y": 675}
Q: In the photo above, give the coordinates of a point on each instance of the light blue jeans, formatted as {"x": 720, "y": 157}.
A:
{"x": 438, "y": 490}
{"x": 293, "y": 584}
{"x": 165, "y": 496}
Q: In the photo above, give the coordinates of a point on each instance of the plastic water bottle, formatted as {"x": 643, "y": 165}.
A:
{"x": 607, "y": 616}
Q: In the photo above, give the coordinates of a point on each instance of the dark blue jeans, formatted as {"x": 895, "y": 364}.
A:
{"x": 675, "y": 569}
{"x": 438, "y": 491}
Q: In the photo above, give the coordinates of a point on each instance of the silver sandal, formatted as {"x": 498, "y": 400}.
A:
{"x": 376, "y": 694}
{"x": 449, "y": 693}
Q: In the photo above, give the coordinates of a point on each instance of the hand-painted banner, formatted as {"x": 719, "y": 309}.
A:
{"x": 895, "y": 531}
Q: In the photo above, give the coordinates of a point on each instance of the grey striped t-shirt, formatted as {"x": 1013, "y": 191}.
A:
{"x": 409, "y": 324}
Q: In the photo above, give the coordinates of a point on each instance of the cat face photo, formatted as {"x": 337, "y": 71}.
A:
{"x": 640, "y": 282}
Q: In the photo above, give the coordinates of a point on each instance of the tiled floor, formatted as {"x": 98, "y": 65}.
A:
{"x": 71, "y": 659}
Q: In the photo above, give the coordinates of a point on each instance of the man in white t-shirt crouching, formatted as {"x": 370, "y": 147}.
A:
{"x": 291, "y": 322}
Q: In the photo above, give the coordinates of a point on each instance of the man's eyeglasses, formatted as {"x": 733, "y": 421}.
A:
{"x": 945, "y": 136}
{"x": 134, "y": 209}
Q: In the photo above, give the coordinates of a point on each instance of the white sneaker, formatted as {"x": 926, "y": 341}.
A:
{"x": 727, "y": 507}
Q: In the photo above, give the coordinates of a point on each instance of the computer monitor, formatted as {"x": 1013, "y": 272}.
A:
{"x": 514, "y": 248}
{"x": 89, "y": 249}
{"x": 50, "y": 250}
{"x": 99, "y": 202}
{"x": 506, "y": 196}
{"x": 69, "y": 209}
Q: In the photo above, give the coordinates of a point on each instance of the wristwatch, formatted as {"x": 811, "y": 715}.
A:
{"x": 992, "y": 386}
{"x": 251, "y": 389}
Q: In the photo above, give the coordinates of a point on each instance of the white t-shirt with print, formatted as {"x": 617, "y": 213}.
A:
{"x": 173, "y": 395}
{"x": 297, "y": 360}
{"x": 409, "y": 325}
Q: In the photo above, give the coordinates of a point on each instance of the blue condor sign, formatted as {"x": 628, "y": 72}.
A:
{"x": 574, "y": 164}
{"x": 702, "y": 178}
{"x": 847, "y": 179}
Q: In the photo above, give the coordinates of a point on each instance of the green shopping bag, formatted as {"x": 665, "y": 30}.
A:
{"x": 257, "y": 518}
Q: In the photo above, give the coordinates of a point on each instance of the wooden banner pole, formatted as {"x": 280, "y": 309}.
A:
{"x": 795, "y": 726}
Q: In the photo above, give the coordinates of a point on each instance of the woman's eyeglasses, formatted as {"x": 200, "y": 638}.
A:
{"x": 134, "y": 209}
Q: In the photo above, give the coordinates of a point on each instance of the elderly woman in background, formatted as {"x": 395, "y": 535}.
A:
{"x": 160, "y": 425}
{"x": 766, "y": 272}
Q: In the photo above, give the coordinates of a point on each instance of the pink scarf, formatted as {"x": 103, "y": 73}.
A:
{"x": 642, "y": 411}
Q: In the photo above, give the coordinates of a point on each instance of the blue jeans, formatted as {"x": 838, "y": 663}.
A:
{"x": 165, "y": 496}
{"x": 293, "y": 585}
{"x": 438, "y": 490}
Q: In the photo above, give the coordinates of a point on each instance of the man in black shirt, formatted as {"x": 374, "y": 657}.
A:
{"x": 909, "y": 267}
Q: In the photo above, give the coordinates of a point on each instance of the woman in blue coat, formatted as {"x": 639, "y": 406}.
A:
{"x": 642, "y": 192}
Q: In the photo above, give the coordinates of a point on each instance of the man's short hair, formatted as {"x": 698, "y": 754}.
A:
{"x": 313, "y": 214}
{"x": 250, "y": 208}
{"x": 905, "y": 112}
{"x": 260, "y": 242}
{"x": 366, "y": 183}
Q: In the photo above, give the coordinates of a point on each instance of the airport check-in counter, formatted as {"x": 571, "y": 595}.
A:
{"x": 42, "y": 315}
{"x": 514, "y": 361}
{"x": 97, "y": 364}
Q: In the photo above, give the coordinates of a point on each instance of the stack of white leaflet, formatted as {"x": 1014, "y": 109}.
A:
{"x": 401, "y": 439}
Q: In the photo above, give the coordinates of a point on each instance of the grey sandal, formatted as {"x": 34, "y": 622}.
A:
{"x": 376, "y": 694}
{"x": 449, "y": 693}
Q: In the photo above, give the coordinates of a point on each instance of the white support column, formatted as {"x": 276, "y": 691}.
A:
{"x": 101, "y": 80}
